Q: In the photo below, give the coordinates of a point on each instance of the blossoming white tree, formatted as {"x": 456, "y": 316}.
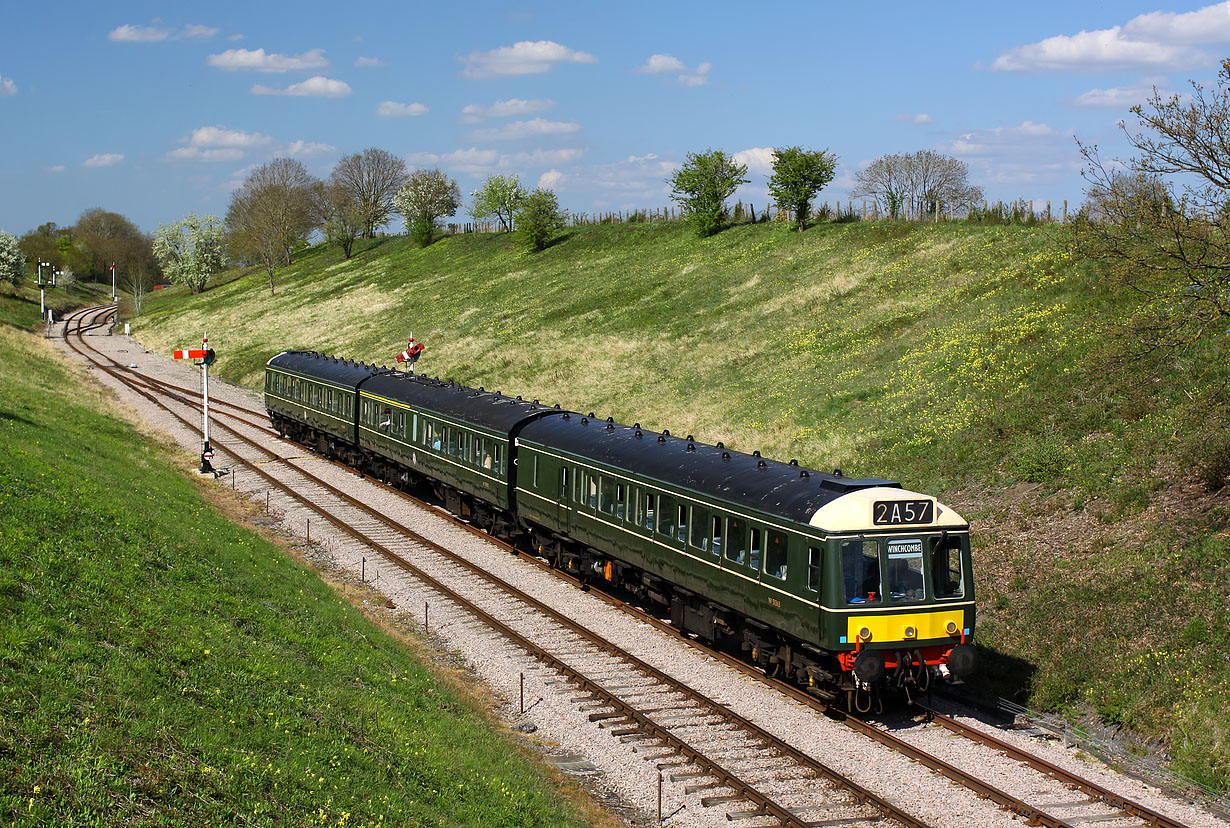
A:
{"x": 12, "y": 260}
{"x": 191, "y": 250}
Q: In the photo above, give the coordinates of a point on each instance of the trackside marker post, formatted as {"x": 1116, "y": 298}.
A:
{"x": 206, "y": 356}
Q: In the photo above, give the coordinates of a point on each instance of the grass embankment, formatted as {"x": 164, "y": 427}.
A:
{"x": 160, "y": 665}
{"x": 19, "y": 307}
{"x": 980, "y": 363}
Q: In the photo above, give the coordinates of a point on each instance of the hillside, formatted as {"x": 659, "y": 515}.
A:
{"x": 161, "y": 665}
{"x": 981, "y": 363}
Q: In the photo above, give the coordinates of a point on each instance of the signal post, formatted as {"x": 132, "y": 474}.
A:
{"x": 206, "y": 356}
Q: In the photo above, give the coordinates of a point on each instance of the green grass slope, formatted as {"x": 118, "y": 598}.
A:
{"x": 980, "y": 363}
{"x": 160, "y": 665}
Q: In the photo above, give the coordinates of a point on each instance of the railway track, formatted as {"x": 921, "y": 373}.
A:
{"x": 637, "y": 702}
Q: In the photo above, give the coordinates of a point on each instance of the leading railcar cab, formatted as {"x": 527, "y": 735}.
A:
{"x": 900, "y": 595}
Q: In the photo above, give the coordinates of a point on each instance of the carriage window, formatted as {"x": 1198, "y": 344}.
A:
{"x": 716, "y": 532}
{"x": 813, "y": 569}
{"x": 414, "y": 427}
{"x": 535, "y": 478}
{"x": 700, "y": 527}
{"x": 453, "y": 441}
{"x": 366, "y": 409}
{"x": 621, "y": 498}
{"x": 498, "y": 461}
{"x": 860, "y": 570}
{"x": 319, "y": 397}
{"x": 775, "y": 554}
{"x": 606, "y": 497}
{"x": 947, "y": 580}
{"x": 329, "y": 399}
{"x": 905, "y": 570}
{"x": 666, "y": 515}
{"x": 754, "y": 549}
{"x": 682, "y": 527}
{"x": 591, "y": 491}
{"x": 736, "y": 540}
{"x": 563, "y": 484}
{"x": 649, "y": 501}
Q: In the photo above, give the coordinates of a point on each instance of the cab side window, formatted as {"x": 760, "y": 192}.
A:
{"x": 860, "y": 571}
{"x": 813, "y": 569}
{"x": 947, "y": 578}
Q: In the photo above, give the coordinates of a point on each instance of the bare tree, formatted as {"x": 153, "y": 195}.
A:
{"x": 924, "y": 181}
{"x": 1161, "y": 220}
{"x": 113, "y": 239}
{"x": 372, "y": 178}
{"x": 342, "y": 217}
{"x": 274, "y": 211}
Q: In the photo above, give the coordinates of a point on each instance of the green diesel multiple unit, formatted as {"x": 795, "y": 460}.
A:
{"x": 836, "y": 583}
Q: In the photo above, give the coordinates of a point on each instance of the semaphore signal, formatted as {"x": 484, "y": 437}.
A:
{"x": 206, "y": 356}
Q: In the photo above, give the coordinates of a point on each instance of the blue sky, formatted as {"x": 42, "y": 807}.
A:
{"x": 157, "y": 109}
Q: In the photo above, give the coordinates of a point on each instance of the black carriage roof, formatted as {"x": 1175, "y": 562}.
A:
{"x": 470, "y": 405}
{"x": 329, "y": 368}
{"x": 748, "y": 480}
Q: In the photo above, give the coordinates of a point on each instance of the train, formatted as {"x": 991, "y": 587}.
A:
{"x": 837, "y": 584}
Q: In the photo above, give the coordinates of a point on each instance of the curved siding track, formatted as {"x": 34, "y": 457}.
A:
{"x": 729, "y": 765}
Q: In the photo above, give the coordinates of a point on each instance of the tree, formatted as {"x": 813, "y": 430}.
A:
{"x": 797, "y": 176}
{"x": 343, "y": 219}
{"x": 702, "y": 185}
{"x": 500, "y": 196}
{"x": 40, "y": 244}
{"x": 274, "y": 211}
{"x": 428, "y": 196}
{"x": 1160, "y": 220}
{"x": 190, "y": 250}
{"x": 925, "y": 181}
{"x": 372, "y": 177}
{"x": 113, "y": 239}
{"x": 538, "y": 217}
{"x": 12, "y": 260}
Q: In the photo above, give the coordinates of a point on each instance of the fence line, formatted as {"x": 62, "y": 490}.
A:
{"x": 1020, "y": 211}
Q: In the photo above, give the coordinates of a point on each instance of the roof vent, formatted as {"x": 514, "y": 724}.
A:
{"x": 661, "y": 438}
{"x": 557, "y": 407}
{"x": 566, "y": 417}
{"x": 793, "y": 462}
{"x": 691, "y": 447}
{"x": 480, "y": 388}
{"x": 610, "y": 426}
{"x": 535, "y": 401}
{"x": 760, "y": 464}
{"x": 636, "y": 425}
{"x": 726, "y": 455}
{"x": 837, "y": 473}
{"x": 804, "y": 474}
{"x": 690, "y": 438}
{"x": 720, "y": 444}
{"x": 519, "y": 398}
{"x": 585, "y": 421}
{"x": 638, "y": 433}
{"x": 756, "y": 453}
{"x": 666, "y": 432}
{"x": 591, "y": 415}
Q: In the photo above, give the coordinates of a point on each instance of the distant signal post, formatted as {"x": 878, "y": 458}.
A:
{"x": 206, "y": 356}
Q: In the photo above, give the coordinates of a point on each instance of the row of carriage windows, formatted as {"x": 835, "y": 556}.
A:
{"x": 320, "y": 397}
{"x": 697, "y": 526}
{"x": 465, "y": 446}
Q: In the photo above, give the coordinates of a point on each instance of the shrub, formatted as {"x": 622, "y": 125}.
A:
{"x": 538, "y": 217}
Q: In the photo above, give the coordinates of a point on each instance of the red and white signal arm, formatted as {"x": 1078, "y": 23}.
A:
{"x": 194, "y": 354}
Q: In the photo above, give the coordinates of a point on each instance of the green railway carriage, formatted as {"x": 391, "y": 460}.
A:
{"x": 311, "y": 397}
{"x": 807, "y": 570}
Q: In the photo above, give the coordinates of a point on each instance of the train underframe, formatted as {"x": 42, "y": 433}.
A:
{"x": 860, "y": 678}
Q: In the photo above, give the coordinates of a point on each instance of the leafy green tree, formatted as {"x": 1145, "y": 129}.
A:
{"x": 191, "y": 250}
{"x": 538, "y": 218}
{"x": 344, "y": 218}
{"x": 428, "y": 196}
{"x": 12, "y": 260}
{"x": 702, "y": 185}
{"x": 500, "y": 196}
{"x": 112, "y": 239}
{"x": 799, "y": 174}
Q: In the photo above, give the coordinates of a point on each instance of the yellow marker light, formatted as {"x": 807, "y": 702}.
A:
{"x": 910, "y": 632}
{"x": 952, "y": 627}
{"x": 864, "y": 634}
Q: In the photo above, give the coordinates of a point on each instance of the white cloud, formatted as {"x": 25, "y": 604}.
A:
{"x": 525, "y": 129}
{"x": 541, "y": 157}
{"x": 307, "y": 149}
{"x": 915, "y": 118}
{"x": 1117, "y": 97}
{"x": 392, "y": 109}
{"x": 216, "y": 136}
{"x": 7, "y": 87}
{"x": 55, "y": 168}
{"x": 154, "y": 34}
{"x": 235, "y": 37}
{"x": 1029, "y": 154}
{"x": 473, "y": 113}
{"x": 364, "y": 62}
{"x": 671, "y": 65}
{"x": 523, "y": 58}
{"x": 759, "y": 160}
{"x": 479, "y": 161}
{"x": 109, "y": 159}
{"x": 257, "y": 60}
{"x": 549, "y": 179}
{"x": 137, "y": 34}
{"x": 314, "y": 87}
{"x": 1153, "y": 41}
{"x": 194, "y": 153}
